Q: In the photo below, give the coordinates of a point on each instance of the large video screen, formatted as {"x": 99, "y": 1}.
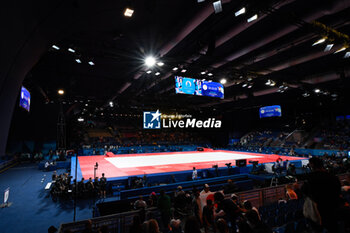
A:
{"x": 192, "y": 86}
{"x": 270, "y": 111}
{"x": 24, "y": 99}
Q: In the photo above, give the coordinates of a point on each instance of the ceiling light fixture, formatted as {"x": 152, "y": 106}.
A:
{"x": 91, "y": 63}
{"x": 150, "y": 61}
{"x": 317, "y": 90}
{"x": 210, "y": 74}
{"x": 319, "y": 41}
{"x": 60, "y": 92}
{"x": 347, "y": 55}
{"x": 175, "y": 69}
{"x": 160, "y": 63}
{"x": 341, "y": 49}
{"x": 149, "y": 71}
{"x": 223, "y": 81}
{"x": 128, "y": 12}
{"x": 217, "y": 6}
{"x": 203, "y": 72}
{"x": 56, "y": 47}
{"x": 71, "y": 50}
{"x": 157, "y": 73}
{"x": 78, "y": 60}
{"x": 183, "y": 71}
{"x": 328, "y": 47}
{"x": 254, "y": 17}
{"x": 240, "y": 12}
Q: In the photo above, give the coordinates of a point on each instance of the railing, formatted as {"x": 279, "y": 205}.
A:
{"x": 120, "y": 223}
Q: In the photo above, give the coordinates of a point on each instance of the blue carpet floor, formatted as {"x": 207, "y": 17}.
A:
{"x": 32, "y": 208}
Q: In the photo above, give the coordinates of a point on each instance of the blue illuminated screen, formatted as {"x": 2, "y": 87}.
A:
{"x": 192, "y": 86}
{"x": 270, "y": 111}
{"x": 24, "y": 99}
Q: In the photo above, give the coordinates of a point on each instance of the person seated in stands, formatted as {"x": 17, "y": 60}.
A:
{"x": 197, "y": 205}
{"x": 208, "y": 216}
{"x": 255, "y": 224}
{"x": 290, "y": 194}
{"x": 230, "y": 187}
{"x": 175, "y": 226}
{"x": 226, "y": 208}
{"x": 140, "y": 203}
{"x": 194, "y": 174}
{"x": 222, "y": 226}
{"x": 153, "y": 226}
{"x": 103, "y": 184}
{"x": 249, "y": 207}
{"x": 152, "y": 199}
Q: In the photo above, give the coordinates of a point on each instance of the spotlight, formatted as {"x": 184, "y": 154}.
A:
{"x": 80, "y": 119}
{"x": 347, "y": 54}
{"x": 150, "y": 61}
{"x": 128, "y": 12}
{"x": 319, "y": 41}
{"x": 203, "y": 72}
{"x": 91, "y": 63}
{"x": 210, "y": 74}
{"x": 317, "y": 90}
{"x": 183, "y": 71}
{"x": 217, "y": 6}
{"x": 160, "y": 63}
{"x": 111, "y": 104}
{"x": 149, "y": 71}
{"x": 339, "y": 50}
{"x": 223, "y": 81}
{"x": 250, "y": 86}
{"x": 60, "y": 92}
{"x": 244, "y": 85}
{"x": 268, "y": 83}
{"x": 56, "y": 47}
{"x": 254, "y": 17}
{"x": 157, "y": 73}
{"x": 240, "y": 12}
{"x": 78, "y": 60}
{"x": 175, "y": 69}
{"x": 71, "y": 50}
{"x": 328, "y": 47}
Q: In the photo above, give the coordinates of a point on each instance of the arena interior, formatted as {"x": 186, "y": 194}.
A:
{"x": 186, "y": 116}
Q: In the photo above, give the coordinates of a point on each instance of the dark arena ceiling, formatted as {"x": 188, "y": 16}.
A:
{"x": 270, "y": 58}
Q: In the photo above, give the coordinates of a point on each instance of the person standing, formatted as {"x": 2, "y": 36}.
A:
{"x": 164, "y": 206}
{"x": 194, "y": 174}
{"x": 103, "y": 184}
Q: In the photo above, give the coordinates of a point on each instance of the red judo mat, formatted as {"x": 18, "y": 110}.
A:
{"x": 122, "y": 165}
